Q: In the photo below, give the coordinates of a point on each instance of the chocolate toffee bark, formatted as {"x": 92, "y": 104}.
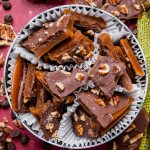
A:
{"x": 104, "y": 111}
{"x": 63, "y": 83}
{"x": 94, "y": 3}
{"x": 84, "y": 125}
{"x": 86, "y": 22}
{"x": 51, "y": 34}
{"x": 76, "y": 49}
{"x": 106, "y": 73}
{"x": 50, "y": 119}
{"x": 131, "y": 138}
{"x": 124, "y": 9}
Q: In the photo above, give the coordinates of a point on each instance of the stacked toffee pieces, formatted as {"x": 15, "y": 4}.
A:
{"x": 69, "y": 40}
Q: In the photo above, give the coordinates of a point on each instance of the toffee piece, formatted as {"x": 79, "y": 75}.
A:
{"x": 105, "y": 74}
{"x": 76, "y": 49}
{"x": 84, "y": 125}
{"x": 50, "y": 119}
{"x": 86, "y": 22}
{"x": 63, "y": 83}
{"x": 125, "y": 9}
{"x": 131, "y": 138}
{"x": 104, "y": 112}
{"x": 51, "y": 34}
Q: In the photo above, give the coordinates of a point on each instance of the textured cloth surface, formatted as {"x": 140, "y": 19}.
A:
{"x": 144, "y": 39}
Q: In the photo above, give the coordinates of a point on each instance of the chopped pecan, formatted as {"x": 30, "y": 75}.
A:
{"x": 100, "y": 102}
{"x": 114, "y": 100}
{"x": 60, "y": 86}
{"x": 66, "y": 57}
{"x": 91, "y": 3}
{"x": 17, "y": 123}
{"x": 54, "y": 135}
{"x": 79, "y": 76}
{"x": 90, "y": 32}
{"x": 115, "y": 13}
{"x": 132, "y": 127}
{"x": 82, "y": 117}
{"x": 123, "y": 9}
{"x": 55, "y": 114}
{"x": 79, "y": 129}
{"x": 103, "y": 69}
{"x": 126, "y": 138}
{"x": 75, "y": 117}
{"x": 114, "y": 2}
{"x": 90, "y": 54}
{"x": 82, "y": 50}
{"x": 49, "y": 126}
{"x": 95, "y": 91}
{"x": 137, "y": 7}
{"x": 115, "y": 146}
{"x": 66, "y": 73}
{"x": 136, "y": 138}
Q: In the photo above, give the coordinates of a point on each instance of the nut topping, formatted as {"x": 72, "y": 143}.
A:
{"x": 66, "y": 57}
{"x": 115, "y": 13}
{"x": 136, "y": 138}
{"x": 123, "y": 9}
{"x": 75, "y": 117}
{"x": 91, "y": 3}
{"x": 49, "y": 126}
{"x": 79, "y": 129}
{"x": 103, "y": 69}
{"x": 79, "y": 76}
{"x": 66, "y": 73}
{"x": 95, "y": 91}
{"x": 125, "y": 138}
{"x": 100, "y": 102}
{"x": 54, "y": 135}
{"x": 116, "y": 69}
{"x": 55, "y": 114}
{"x": 60, "y": 86}
{"x": 90, "y": 32}
{"x": 114, "y": 2}
{"x": 132, "y": 127}
{"x": 137, "y": 7}
{"x": 90, "y": 54}
{"x": 115, "y": 145}
{"x": 114, "y": 100}
{"x": 82, "y": 118}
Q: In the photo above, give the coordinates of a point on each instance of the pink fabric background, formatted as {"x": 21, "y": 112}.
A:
{"x": 22, "y": 11}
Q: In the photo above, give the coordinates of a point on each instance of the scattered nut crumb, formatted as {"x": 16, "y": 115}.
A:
{"x": 46, "y": 32}
{"x": 115, "y": 13}
{"x": 8, "y": 140}
{"x": 66, "y": 73}
{"x": 115, "y": 146}
{"x": 75, "y": 117}
{"x": 131, "y": 127}
{"x": 79, "y": 129}
{"x": 66, "y": 57}
{"x": 89, "y": 55}
{"x": 137, "y": 7}
{"x": 114, "y": 101}
{"x": 54, "y": 135}
{"x": 114, "y": 2}
{"x": 95, "y": 91}
{"x": 90, "y": 32}
{"x": 91, "y": 3}
{"x": 40, "y": 40}
{"x": 82, "y": 117}
{"x": 126, "y": 138}
{"x": 79, "y": 76}
{"x": 49, "y": 126}
{"x": 116, "y": 69}
{"x": 100, "y": 102}
{"x": 123, "y": 9}
{"x": 55, "y": 114}
{"x": 60, "y": 86}
{"x": 136, "y": 138}
{"x": 103, "y": 69}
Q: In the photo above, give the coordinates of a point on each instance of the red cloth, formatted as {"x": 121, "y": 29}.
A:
{"x": 22, "y": 11}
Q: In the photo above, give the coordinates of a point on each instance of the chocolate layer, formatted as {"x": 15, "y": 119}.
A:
{"x": 76, "y": 49}
{"x": 85, "y": 126}
{"x": 66, "y": 80}
{"x": 44, "y": 39}
{"x": 105, "y": 73}
{"x": 104, "y": 113}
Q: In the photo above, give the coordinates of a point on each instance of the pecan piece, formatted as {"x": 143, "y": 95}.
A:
{"x": 136, "y": 138}
{"x": 103, "y": 69}
{"x": 60, "y": 86}
{"x": 79, "y": 76}
{"x": 115, "y": 13}
{"x": 126, "y": 138}
{"x": 132, "y": 127}
{"x": 123, "y": 9}
{"x": 100, "y": 102}
{"x": 79, "y": 129}
{"x": 91, "y": 3}
{"x": 114, "y": 2}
